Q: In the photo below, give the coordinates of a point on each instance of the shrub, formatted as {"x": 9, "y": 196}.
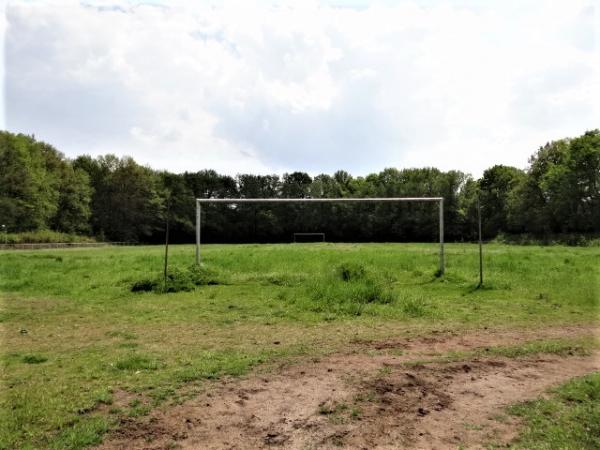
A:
{"x": 43, "y": 237}
{"x": 571, "y": 239}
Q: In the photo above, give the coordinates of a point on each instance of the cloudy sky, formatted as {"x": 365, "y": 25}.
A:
{"x": 274, "y": 86}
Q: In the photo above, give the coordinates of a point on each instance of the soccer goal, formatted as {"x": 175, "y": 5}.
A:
{"x": 300, "y": 236}
{"x": 438, "y": 200}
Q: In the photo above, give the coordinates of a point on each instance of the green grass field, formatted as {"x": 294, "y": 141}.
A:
{"x": 73, "y": 333}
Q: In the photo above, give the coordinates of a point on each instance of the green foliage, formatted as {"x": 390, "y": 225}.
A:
{"x": 43, "y": 237}
{"x": 126, "y": 203}
{"x": 571, "y": 239}
{"x": 495, "y": 188}
{"x": 74, "y": 210}
{"x": 29, "y": 188}
{"x": 560, "y": 193}
{"x": 117, "y": 199}
{"x": 569, "y": 419}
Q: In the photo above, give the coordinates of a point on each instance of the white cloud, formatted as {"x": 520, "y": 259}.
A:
{"x": 256, "y": 87}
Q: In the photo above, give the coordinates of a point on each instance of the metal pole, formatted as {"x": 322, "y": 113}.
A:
{"x": 480, "y": 244}
{"x": 442, "y": 262}
{"x": 319, "y": 200}
{"x": 197, "y": 232}
{"x": 167, "y": 244}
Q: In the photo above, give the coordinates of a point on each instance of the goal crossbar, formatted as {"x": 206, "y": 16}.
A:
{"x": 439, "y": 200}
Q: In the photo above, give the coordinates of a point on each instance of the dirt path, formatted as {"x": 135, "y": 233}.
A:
{"x": 366, "y": 400}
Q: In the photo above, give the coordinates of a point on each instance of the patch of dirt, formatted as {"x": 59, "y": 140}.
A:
{"x": 119, "y": 399}
{"x": 443, "y": 341}
{"x": 358, "y": 401}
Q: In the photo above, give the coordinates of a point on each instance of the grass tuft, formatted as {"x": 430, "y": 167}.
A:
{"x": 178, "y": 280}
{"x": 351, "y": 271}
{"x": 136, "y": 362}
{"x": 82, "y": 434}
{"x": 34, "y": 359}
{"x": 414, "y": 307}
{"x": 349, "y": 290}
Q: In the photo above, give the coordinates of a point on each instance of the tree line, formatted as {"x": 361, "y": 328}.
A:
{"x": 117, "y": 199}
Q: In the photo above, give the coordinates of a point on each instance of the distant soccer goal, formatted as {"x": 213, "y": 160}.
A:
{"x": 303, "y": 237}
{"x": 438, "y": 200}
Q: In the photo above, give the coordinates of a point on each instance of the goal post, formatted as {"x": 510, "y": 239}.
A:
{"x": 438, "y": 200}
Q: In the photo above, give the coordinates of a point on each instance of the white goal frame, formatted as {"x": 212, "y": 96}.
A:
{"x": 439, "y": 200}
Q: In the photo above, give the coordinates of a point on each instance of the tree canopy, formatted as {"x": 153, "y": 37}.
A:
{"x": 119, "y": 200}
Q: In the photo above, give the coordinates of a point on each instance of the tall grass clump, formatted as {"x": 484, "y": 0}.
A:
{"x": 348, "y": 289}
{"x": 414, "y": 307}
{"x": 351, "y": 271}
{"x": 178, "y": 280}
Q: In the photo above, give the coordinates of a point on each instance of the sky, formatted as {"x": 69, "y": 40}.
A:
{"x": 318, "y": 86}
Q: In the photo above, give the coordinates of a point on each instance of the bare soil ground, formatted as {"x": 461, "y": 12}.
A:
{"x": 372, "y": 397}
